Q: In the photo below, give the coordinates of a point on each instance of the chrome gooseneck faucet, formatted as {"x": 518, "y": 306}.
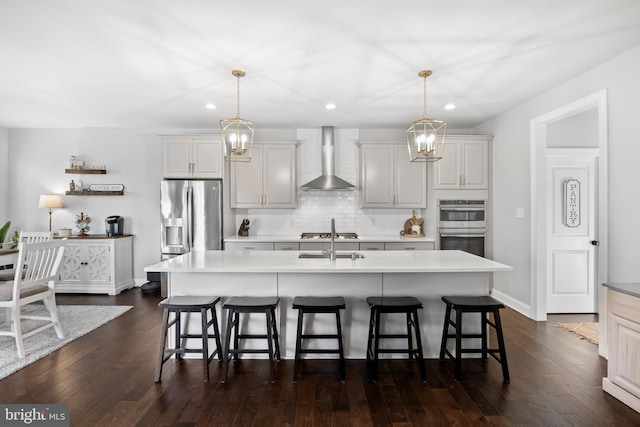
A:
{"x": 332, "y": 253}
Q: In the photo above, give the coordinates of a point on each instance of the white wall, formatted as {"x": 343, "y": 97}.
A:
{"x": 4, "y": 175}
{"x": 511, "y": 172}
{"x": 37, "y": 161}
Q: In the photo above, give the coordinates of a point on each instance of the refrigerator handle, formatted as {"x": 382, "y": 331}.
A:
{"x": 189, "y": 228}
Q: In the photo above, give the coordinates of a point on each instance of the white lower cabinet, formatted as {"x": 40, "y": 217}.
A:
{"x": 320, "y": 246}
{"x": 248, "y": 246}
{"x": 97, "y": 266}
{"x": 286, "y": 246}
{"x": 372, "y": 246}
{"x": 623, "y": 369}
{"x": 416, "y": 246}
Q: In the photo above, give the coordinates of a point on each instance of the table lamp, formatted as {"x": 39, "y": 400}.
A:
{"x": 50, "y": 201}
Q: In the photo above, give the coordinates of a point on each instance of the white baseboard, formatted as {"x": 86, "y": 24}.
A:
{"x": 621, "y": 394}
{"x": 513, "y": 303}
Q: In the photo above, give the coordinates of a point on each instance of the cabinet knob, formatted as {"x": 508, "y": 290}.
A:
{"x": 595, "y": 242}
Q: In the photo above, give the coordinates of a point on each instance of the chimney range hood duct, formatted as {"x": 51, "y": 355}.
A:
{"x": 328, "y": 180}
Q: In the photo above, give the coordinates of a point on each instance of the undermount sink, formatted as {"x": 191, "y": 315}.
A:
{"x": 347, "y": 255}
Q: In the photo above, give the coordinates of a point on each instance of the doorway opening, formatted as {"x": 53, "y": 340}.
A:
{"x": 562, "y": 142}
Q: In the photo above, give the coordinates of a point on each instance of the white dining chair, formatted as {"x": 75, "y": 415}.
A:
{"x": 36, "y": 273}
{"x": 35, "y": 236}
{"x": 7, "y": 274}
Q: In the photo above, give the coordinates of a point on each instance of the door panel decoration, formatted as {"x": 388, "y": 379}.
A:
{"x": 571, "y": 203}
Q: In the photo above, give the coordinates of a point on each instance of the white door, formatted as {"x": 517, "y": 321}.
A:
{"x": 571, "y": 227}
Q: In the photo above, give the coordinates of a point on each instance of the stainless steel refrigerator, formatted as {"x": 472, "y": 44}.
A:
{"x": 191, "y": 216}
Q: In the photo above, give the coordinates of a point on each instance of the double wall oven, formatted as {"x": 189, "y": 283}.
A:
{"x": 462, "y": 225}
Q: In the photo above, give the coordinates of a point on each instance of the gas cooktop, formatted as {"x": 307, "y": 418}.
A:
{"x": 328, "y": 235}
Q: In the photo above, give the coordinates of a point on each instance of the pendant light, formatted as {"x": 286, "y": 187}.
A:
{"x": 425, "y": 137}
{"x": 237, "y": 133}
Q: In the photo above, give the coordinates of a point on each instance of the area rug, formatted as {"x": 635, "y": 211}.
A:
{"x": 76, "y": 321}
{"x": 586, "y": 330}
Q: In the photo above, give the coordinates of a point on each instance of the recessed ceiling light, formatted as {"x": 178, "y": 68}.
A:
{"x": 449, "y": 107}
{"x": 210, "y": 106}
{"x": 330, "y": 106}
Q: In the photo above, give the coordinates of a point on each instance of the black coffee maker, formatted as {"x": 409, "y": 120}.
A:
{"x": 114, "y": 225}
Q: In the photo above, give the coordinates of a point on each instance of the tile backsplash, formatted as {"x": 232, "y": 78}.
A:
{"x": 316, "y": 208}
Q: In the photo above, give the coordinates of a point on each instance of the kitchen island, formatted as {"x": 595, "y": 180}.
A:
{"x": 427, "y": 275}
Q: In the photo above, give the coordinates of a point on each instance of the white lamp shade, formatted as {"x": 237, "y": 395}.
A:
{"x": 50, "y": 201}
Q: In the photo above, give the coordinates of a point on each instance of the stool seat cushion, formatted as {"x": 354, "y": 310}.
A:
{"x": 315, "y": 302}
{"x": 473, "y": 302}
{"x": 395, "y": 302}
{"x": 188, "y": 301}
{"x": 254, "y": 302}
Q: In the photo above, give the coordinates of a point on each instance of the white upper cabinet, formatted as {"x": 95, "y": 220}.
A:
{"x": 268, "y": 180}
{"x": 192, "y": 157}
{"x": 389, "y": 179}
{"x": 465, "y": 164}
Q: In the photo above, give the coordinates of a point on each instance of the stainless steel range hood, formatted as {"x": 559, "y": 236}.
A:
{"x": 328, "y": 181}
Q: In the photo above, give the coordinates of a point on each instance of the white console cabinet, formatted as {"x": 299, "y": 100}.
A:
{"x": 101, "y": 265}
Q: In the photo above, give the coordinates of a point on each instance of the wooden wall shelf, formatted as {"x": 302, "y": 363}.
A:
{"x": 86, "y": 171}
{"x": 95, "y": 193}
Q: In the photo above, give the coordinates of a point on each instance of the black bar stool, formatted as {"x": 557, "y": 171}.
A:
{"x": 406, "y": 305}
{"x": 319, "y": 305}
{"x": 237, "y": 305}
{"x": 473, "y": 304}
{"x": 188, "y": 304}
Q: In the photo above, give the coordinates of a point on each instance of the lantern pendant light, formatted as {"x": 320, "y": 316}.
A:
{"x": 237, "y": 133}
{"x": 425, "y": 137}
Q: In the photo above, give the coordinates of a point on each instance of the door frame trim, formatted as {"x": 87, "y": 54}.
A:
{"x": 538, "y": 241}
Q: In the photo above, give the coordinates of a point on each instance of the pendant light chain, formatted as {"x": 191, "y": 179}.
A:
{"x": 238, "y": 96}
{"x": 425, "y": 97}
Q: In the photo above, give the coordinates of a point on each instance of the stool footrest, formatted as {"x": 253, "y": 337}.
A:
{"x": 465, "y": 335}
{"x": 398, "y": 350}
{"x": 318, "y": 351}
{"x": 320, "y": 336}
{"x": 182, "y": 336}
{"x": 381, "y": 336}
{"x": 252, "y": 336}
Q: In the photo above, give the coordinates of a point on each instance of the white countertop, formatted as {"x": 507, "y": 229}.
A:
{"x": 288, "y": 262}
{"x": 296, "y": 238}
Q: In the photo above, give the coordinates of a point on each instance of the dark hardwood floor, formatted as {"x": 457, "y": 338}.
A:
{"x": 106, "y": 378}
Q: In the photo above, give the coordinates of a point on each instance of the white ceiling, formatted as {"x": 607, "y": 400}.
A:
{"x": 156, "y": 63}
